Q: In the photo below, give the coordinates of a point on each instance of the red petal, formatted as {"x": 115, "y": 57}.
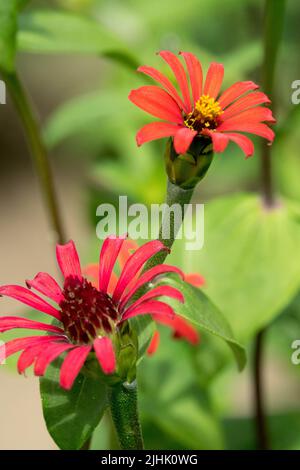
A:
{"x": 72, "y": 365}
{"x": 91, "y": 271}
{"x": 15, "y": 345}
{"x": 214, "y": 79}
{"x": 182, "y": 329}
{"x": 157, "y": 102}
{"x": 9, "y": 323}
{"x": 183, "y": 139}
{"x": 253, "y": 128}
{"x": 194, "y": 279}
{"x": 108, "y": 256}
{"x": 164, "y": 81}
{"x": 28, "y": 356}
{"x": 243, "y": 142}
{"x": 159, "y": 292}
{"x": 149, "y": 307}
{"x": 234, "y": 91}
{"x": 68, "y": 259}
{"x": 48, "y": 355}
{"x": 105, "y": 354}
{"x": 245, "y": 102}
{"x": 154, "y": 343}
{"x": 155, "y": 130}
{"x": 134, "y": 264}
{"x": 45, "y": 284}
{"x": 219, "y": 140}
{"x": 148, "y": 276}
{"x": 29, "y": 298}
{"x": 180, "y": 76}
{"x": 255, "y": 115}
{"x": 195, "y": 72}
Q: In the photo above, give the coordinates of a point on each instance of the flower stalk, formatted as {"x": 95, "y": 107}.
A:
{"x": 124, "y": 410}
{"x": 273, "y": 27}
{"x": 37, "y": 150}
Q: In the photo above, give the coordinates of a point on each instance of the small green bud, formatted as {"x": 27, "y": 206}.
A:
{"x": 188, "y": 169}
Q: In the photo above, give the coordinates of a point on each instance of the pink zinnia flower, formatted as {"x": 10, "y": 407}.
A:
{"x": 87, "y": 315}
{"x": 206, "y": 112}
{"x": 180, "y": 327}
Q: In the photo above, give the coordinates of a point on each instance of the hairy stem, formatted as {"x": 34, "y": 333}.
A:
{"x": 37, "y": 149}
{"x": 170, "y": 227}
{"x": 124, "y": 410}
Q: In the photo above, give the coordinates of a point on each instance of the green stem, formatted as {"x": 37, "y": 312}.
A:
{"x": 124, "y": 410}
{"x": 170, "y": 227}
{"x": 273, "y": 28}
{"x": 37, "y": 149}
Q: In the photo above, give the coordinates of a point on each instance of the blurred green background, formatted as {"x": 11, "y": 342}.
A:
{"x": 77, "y": 60}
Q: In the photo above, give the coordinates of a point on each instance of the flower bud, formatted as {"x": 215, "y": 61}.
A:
{"x": 188, "y": 169}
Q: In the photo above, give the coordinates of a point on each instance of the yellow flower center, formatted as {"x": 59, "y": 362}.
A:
{"x": 205, "y": 114}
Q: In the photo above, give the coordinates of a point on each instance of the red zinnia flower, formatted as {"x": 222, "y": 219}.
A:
{"x": 208, "y": 113}
{"x": 180, "y": 327}
{"x": 88, "y": 316}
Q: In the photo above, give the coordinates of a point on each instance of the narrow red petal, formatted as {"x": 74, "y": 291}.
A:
{"x": 68, "y": 259}
{"x": 235, "y": 91}
{"x": 149, "y": 307}
{"x": 46, "y": 285}
{"x": 15, "y": 345}
{"x": 195, "y": 279}
{"x": 154, "y": 343}
{"x": 195, "y": 72}
{"x": 214, "y": 79}
{"x": 155, "y": 130}
{"x": 180, "y": 75}
{"x": 245, "y": 102}
{"x": 219, "y": 140}
{"x": 110, "y": 250}
{"x": 164, "y": 81}
{"x": 134, "y": 264}
{"x": 28, "y": 356}
{"x": 72, "y": 365}
{"x": 159, "y": 291}
{"x": 243, "y": 142}
{"x": 9, "y": 323}
{"x": 156, "y": 102}
{"x": 148, "y": 276}
{"x": 253, "y": 128}
{"x": 183, "y": 139}
{"x": 27, "y": 297}
{"x": 105, "y": 354}
{"x": 48, "y": 355}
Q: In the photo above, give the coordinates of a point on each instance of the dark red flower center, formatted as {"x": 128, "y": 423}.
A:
{"x": 205, "y": 114}
{"x": 86, "y": 312}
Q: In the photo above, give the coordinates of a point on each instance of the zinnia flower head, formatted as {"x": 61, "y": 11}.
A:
{"x": 220, "y": 117}
{"x": 181, "y": 328}
{"x": 88, "y": 316}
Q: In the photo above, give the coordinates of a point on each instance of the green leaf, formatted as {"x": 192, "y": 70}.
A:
{"x": 58, "y": 32}
{"x": 250, "y": 260}
{"x": 71, "y": 416}
{"x": 199, "y": 310}
{"x": 175, "y": 412}
{"x": 8, "y": 30}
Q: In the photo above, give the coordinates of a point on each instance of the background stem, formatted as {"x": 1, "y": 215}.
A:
{"x": 260, "y": 421}
{"x": 37, "y": 149}
{"x": 124, "y": 411}
{"x": 273, "y": 28}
